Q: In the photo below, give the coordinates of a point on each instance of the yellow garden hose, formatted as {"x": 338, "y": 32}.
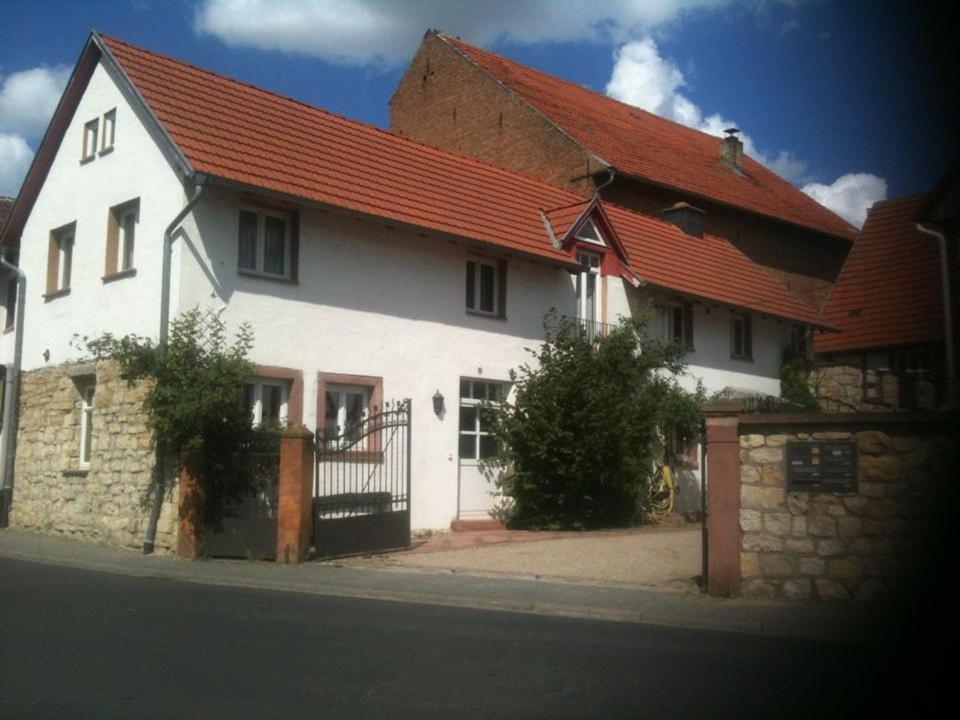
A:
{"x": 662, "y": 492}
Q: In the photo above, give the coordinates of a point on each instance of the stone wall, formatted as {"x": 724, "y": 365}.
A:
{"x": 840, "y": 388}
{"x": 827, "y": 546}
{"x": 107, "y": 502}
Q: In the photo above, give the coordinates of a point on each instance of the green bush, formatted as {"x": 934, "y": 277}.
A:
{"x": 194, "y": 402}
{"x": 584, "y": 434}
{"x": 795, "y": 388}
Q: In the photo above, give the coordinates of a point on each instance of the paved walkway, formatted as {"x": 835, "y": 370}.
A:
{"x": 650, "y": 556}
{"x": 843, "y": 623}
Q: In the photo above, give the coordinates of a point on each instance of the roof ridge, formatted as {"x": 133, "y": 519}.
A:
{"x": 352, "y": 121}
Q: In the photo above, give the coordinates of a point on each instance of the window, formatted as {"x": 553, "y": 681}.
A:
{"x": 475, "y": 442}
{"x": 915, "y": 362}
{"x": 266, "y": 400}
{"x": 264, "y": 243}
{"x": 345, "y": 410}
{"x": 798, "y": 340}
{"x": 588, "y": 233}
{"x": 486, "y": 286}
{"x": 680, "y": 324}
{"x": 121, "y": 236}
{"x": 588, "y": 297}
{"x": 60, "y": 259}
{"x": 741, "y": 342}
{"x": 109, "y": 130}
{"x": 86, "y": 423}
{"x": 679, "y": 454}
{"x": 90, "y": 134}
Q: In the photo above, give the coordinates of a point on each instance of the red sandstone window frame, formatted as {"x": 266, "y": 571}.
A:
{"x": 294, "y": 390}
{"x": 373, "y": 386}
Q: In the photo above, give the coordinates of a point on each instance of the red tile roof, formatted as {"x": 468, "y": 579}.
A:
{"x": 888, "y": 292}
{"x": 645, "y": 145}
{"x": 233, "y": 130}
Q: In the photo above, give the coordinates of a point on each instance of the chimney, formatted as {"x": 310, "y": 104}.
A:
{"x": 731, "y": 149}
{"x": 686, "y": 217}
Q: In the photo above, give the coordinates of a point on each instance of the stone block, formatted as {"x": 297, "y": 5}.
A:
{"x": 856, "y": 504}
{"x": 872, "y": 489}
{"x": 777, "y": 440}
{"x": 800, "y": 546}
{"x": 772, "y": 475}
{"x": 749, "y": 564}
{"x": 832, "y": 435}
{"x": 759, "y": 588}
{"x": 777, "y": 524}
{"x": 879, "y": 468}
{"x": 821, "y": 526}
{"x": 751, "y": 441}
{"x": 798, "y": 503}
{"x": 757, "y": 542}
{"x": 830, "y": 590}
{"x": 766, "y": 455}
{"x": 847, "y": 571}
{"x": 848, "y": 527}
{"x": 749, "y": 474}
{"x": 777, "y": 566}
{"x": 829, "y": 548}
{"x": 799, "y": 528}
{"x": 751, "y": 520}
{"x": 797, "y": 589}
{"x": 761, "y": 498}
{"x": 813, "y": 566}
{"x": 872, "y": 442}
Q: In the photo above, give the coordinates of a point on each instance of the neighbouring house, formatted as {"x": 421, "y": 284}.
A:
{"x": 369, "y": 265}
{"x": 889, "y": 306}
{"x": 463, "y": 98}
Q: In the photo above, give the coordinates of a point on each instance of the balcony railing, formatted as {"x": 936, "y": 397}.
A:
{"x": 591, "y": 328}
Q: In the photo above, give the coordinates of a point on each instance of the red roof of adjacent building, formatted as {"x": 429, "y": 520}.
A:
{"x": 232, "y": 130}
{"x": 888, "y": 292}
{"x": 650, "y": 147}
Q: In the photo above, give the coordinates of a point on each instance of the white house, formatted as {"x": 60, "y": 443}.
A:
{"x": 370, "y": 267}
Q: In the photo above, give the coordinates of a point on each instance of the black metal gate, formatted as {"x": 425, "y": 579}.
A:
{"x": 361, "y": 499}
{"x": 247, "y": 526}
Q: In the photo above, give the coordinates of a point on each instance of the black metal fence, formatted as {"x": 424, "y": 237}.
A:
{"x": 362, "y": 488}
{"x": 246, "y": 526}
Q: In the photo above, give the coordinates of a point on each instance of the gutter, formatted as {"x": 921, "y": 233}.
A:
{"x": 947, "y": 311}
{"x": 11, "y": 397}
{"x": 159, "y": 480}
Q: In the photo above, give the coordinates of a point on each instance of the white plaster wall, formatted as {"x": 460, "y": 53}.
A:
{"x": 710, "y": 360}
{"x": 380, "y": 302}
{"x": 84, "y": 193}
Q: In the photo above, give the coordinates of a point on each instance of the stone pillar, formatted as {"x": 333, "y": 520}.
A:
{"x": 295, "y": 502}
{"x": 723, "y": 504}
{"x": 190, "y": 508}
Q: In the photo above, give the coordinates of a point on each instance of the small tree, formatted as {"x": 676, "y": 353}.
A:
{"x": 795, "y": 382}
{"x": 582, "y": 439}
{"x": 194, "y": 401}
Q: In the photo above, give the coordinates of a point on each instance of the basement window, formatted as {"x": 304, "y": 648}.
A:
{"x": 87, "y": 393}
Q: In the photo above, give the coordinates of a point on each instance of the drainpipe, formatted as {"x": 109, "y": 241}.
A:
{"x": 160, "y": 478}
{"x": 11, "y": 396}
{"x": 947, "y": 312}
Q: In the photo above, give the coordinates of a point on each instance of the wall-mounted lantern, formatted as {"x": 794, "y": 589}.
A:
{"x": 437, "y": 403}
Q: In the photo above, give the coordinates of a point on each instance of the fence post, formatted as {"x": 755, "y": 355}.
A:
{"x": 723, "y": 499}
{"x": 295, "y": 495}
{"x": 190, "y": 510}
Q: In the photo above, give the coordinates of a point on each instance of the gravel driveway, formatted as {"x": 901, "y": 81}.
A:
{"x": 662, "y": 557}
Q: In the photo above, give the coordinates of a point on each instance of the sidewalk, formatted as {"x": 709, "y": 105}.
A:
{"x": 841, "y": 623}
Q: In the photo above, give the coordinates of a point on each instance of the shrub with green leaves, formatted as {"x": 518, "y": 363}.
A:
{"x": 795, "y": 371}
{"x": 194, "y": 401}
{"x": 584, "y": 434}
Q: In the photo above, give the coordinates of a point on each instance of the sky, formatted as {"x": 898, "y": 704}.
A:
{"x": 851, "y": 101}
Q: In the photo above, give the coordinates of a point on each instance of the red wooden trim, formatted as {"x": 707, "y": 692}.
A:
{"x": 295, "y": 394}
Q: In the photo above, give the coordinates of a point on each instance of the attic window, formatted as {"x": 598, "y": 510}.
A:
{"x": 588, "y": 232}
{"x": 90, "y": 133}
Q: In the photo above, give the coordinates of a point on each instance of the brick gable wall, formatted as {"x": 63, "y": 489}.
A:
{"x": 446, "y": 101}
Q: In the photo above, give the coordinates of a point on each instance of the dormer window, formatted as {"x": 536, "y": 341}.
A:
{"x": 587, "y": 232}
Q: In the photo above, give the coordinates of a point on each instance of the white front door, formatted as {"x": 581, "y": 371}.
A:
{"x": 475, "y": 496}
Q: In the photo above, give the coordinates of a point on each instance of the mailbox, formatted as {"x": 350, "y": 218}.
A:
{"x": 827, "y": 466}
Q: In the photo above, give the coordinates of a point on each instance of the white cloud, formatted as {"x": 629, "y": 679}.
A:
{"x": 643, "y": 77}
{"x": 28, "y": 99}
{"x": 386, "y": 32}
{"x": 15, "y": 157}
{"x": 849, "y": 196}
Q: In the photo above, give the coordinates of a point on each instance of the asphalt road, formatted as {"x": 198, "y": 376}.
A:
{"x": 82, "y": 644}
